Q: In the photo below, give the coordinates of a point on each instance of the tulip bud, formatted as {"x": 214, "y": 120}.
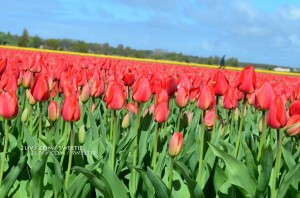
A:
{"x": 236, "y": 114}
{"x": 30, "y": 98}
{"x": 264, "y": 95}
{"x": 115, "y": 97}
{"x": 221, "y": 85}
{"x": 295, "y": 129}
{"x": 209, "y": 119}
{"x": 27, "y": 79}
{"x": 294, "y": 108}
{"x": 85, "y": 93}
{"x": 53, "y": 111}
{"x": 126, "y": 120}
{"x": 81, "y": 135}
{"x": 24, "y": 115}
{"x": 176, "y": 144}
{"x": 187, "y": 118}
{"x": 205, "y": 98}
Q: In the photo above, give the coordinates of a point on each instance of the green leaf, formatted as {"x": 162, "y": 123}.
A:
{"x": 287, "y": 180}
{"x": 12, "y": 176}
{"x": 38, "y": 173}
{"x": 250, "y": 163}
{"x": 120, "y": 189}
{"x": 265, "y": 174}
{"x": 147, "y": 182}
{"x": 100, "y": 183}
{"x": 194, "y": 188}
{"x": 161, "y": 189}
{"x": 220, "y": 178}
{"x": 237, "y": 172}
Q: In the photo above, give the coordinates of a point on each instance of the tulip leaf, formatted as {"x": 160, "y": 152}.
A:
{"x": 161, "y": 189}
{"x": 147, "y": 182}
{"x": 194, "y": 188}
{"x": 265, "y": 174}
{"x": 38, "y": 173}
{"x": 99, "y": 182}
{"x": 250, "y": 163}
{"x": 12, "y": 176}
{"x": 220, "y": 178}
{"x": 287, "y": 180}
{"x": 237, "y": 172}
{"x": 119, "y": 189}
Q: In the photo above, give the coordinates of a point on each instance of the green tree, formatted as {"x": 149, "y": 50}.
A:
{"x": 51, "y": 44}
{"x": 24, "y": 39}
{"x": 80, "y": 46}
{"x": 36, "y": 41}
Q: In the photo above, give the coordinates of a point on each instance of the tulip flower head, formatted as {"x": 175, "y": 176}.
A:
{"x": 277, "y": 116}
{"x": 8, "y": 105}
{"x": 70, "y": 109}
{"x": 247, "y": 80}
{"x": 53, "y": 111}
{"x": 176, "y": 144}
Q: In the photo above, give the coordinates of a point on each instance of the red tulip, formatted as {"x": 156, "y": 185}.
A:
{"x": 53, "y": 111}
{"x": 176, "y": 144}
{"x": 70, "y": 109}
{"x": 161, "y": 96}
{"x": 205, "y": 98}
{"x": 251, "y": 98}
{"x": 3, "y": 63}
{"x": 183, "y": 81}
{"x": 115, "y": 97}
{"x": 9, "y": 83}
{"x": 27, "y": 79}
{"x": 295, "y": 129}
{"x": 128, "y": 78}
{"x": 221, "y": 83}
{"x": 277, "y": 116}
{"x": 294, "y": 108}
{"x": 182, "y": 97}
{"x": 142, "y": 90}
{"x": 8, "y": 105}
{"x": 247, "y": 80}
{"x": 132, "y": 108}
{"x": 97, "y": 88}
{"x": 161, "y": 112}
{"x": 230, "y": 99}
{"x": 37, "y": 63}
{"x": 40, "y": 89}
{"x": 209, "y": 119}
{"x": 170, "y": 85}
{"x": 263, "y": 96}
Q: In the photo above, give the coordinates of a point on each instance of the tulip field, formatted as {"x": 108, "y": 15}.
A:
{"x": 78, "y": 125}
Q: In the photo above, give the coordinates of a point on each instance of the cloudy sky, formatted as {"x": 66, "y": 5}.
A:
{"x": 257, "y": 31}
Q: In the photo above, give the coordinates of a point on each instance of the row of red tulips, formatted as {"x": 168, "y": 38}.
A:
{"x": 125, "y": 84}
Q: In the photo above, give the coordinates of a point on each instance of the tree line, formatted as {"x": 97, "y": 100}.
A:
{"x": 26, "y": 40}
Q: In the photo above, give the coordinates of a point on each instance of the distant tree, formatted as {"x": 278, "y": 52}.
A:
{"x": 120, "y": 50}
{"x": 105, "y": 48}
{"x": 80, "y": 46}
{"x": 139, "y": 54}
{"x": 36, "y": 41}
{"x": 24, "y": 39}
{"x": 51, "y": 44}
{"x": 233, "y": 62}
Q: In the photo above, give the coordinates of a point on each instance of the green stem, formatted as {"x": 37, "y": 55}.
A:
{"x": 114, "y": 139}
{"x": 227, "y": 123}
{"x": 263, "y": 135}
{"x": 277, "y": 165}
{"x": 70, "y": 155}
{"x": 171, "y": 175}
{"x": 215, "y": 119}
{"x": 135, "y": 150}
{"x": 155, "y": 140}
{"x": 201, "y": 137}
{"x": 178, "y": 119}
{"x": 65, "y": 136}
{"x": 40, "y": 129}
{"x": 31, "y": 119}
{"x": 111, "y": 130}
{"x": 4, "y": 151}
{"x": 240, "y": 128}
{"x": 231, "y": 127}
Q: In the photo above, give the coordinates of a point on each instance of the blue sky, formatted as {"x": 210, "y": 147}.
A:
{"x": 258, "y": 31}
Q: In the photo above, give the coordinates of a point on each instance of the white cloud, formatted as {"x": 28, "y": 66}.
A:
{"x": 291, "y": 12}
